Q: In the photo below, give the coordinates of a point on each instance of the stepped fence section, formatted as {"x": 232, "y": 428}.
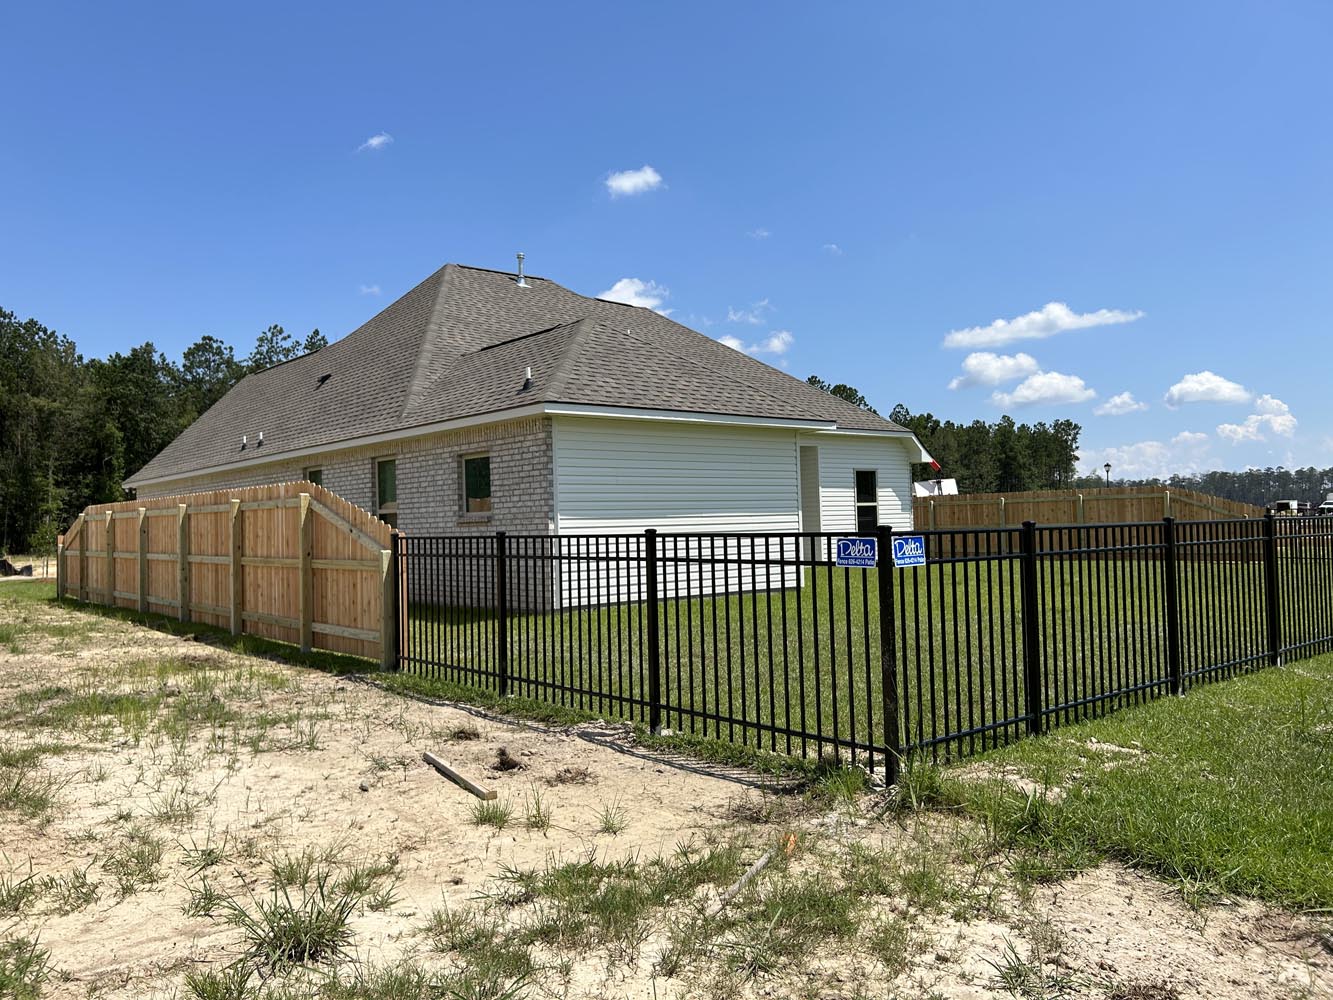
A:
{"x": 290, "y": 561}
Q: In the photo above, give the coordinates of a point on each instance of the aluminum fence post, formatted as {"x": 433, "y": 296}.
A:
{"x": 888, "y": 655}
{"x": 1031, "y": 629}
{"x": 502, "y": 611}
{"x": 654, "y": 647}
{"x": 1173, "y": 653}
{"x": 1272, "y": 591}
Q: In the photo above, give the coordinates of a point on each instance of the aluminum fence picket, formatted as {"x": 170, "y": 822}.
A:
{"x": 764, "y": 640}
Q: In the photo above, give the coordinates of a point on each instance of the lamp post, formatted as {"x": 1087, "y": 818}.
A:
{"x": 1107, "y": 467}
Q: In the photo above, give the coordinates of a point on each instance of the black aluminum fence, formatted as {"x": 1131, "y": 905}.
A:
{"x": 761, "y": 639}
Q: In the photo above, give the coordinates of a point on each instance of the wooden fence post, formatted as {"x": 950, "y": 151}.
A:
{"x": 307, "y": 545}
{"x": 183, "y": 561}
{"x": 143, "y": 560}
{"x": 237, "y": 547}
{"x": 1166, "y": 503}
{"x": 110, "y": 559}
{"x": 1080, "y": 509}
{"x": 60, "y": 568}
{"x": 388, "y": 611}
{"x": 83, "y": 558}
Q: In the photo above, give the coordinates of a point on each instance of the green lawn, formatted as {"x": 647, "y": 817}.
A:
{"x": 1227, "y": 790}
{"x": 807, "y": 659}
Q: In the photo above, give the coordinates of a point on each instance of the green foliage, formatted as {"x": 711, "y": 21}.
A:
{"x": 1223, "y": 791}
{"x": 1256, "y": 486}
{"x": 24, "y": 968}
{"x": 999, "y": 457}
{"x": 842, "y": 391}
{"x": 71, "y": 429}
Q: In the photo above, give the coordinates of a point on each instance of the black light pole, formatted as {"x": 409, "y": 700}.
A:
{"x": 1107, "y": 467}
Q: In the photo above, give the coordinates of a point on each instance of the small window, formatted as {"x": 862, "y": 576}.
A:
{"x": 386, "y": 491}
{"x": 867, "y": 501}
{"x": 315, "y": 476}
{"x": 477, "y": 484}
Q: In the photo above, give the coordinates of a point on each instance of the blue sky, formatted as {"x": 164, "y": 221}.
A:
{"x": 1143, "y": 192}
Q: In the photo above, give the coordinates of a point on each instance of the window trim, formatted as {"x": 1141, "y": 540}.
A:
{"x": 464, "y": 513}
{"x": 314, "y": 470}
{"x": 858, "y": 503}
{"x": 382, "y": 508}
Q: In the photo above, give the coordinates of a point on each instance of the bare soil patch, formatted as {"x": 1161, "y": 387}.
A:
{"x": 162, "y": 786}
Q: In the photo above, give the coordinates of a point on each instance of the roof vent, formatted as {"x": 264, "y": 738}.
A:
{"x": 521, "y": 282}
{"x": 261, "y": 439}
{"x": 527, "y": 379}
{"x": 243, "y": 442}
{"x": 323, "y": 378}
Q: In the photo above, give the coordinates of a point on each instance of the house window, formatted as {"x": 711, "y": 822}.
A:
{"x": 477, "y": 484}
{"x": 867, "y": 501}
{"x": 386, "y": 491}
{"x": 315, "y": 476}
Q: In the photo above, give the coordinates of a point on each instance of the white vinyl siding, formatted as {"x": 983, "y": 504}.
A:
{"x": 840, "y": 455}
{"x": 623, "y": 476}
{"x": 628, "y": 475}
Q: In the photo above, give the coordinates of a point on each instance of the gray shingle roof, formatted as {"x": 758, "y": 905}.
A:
{"x": 457, "y": 345}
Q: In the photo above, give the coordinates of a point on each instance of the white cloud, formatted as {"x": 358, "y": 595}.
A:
{"x": 1047, "y": 388}
{"x": 754, "y": 315}
{"x": 377, "y": 141}
{"x": 636, "y": 292}
{"x": 370, "y": 289}
{"x": 1050, "y": 319}
{"x": 777, "y": 343}
{"x": 627, "y": 182}
{"x": 985, "y": 368}
{"x": 759, "y": 234}
{"x": 1185, "y": 453}
{"x": 1206, "y": 387}
{"x": 1270, "y": 415}
{"x": 1120, "y": 404}
{"x": 833, "y": 248}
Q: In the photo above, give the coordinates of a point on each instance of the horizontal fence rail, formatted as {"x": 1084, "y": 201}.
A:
{"x": 288, "y": 561}
{"x": 767, "y": 641}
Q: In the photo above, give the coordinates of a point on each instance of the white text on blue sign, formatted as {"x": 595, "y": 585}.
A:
{"x": 860, "y": 553}
{"x": 908, "y": 551}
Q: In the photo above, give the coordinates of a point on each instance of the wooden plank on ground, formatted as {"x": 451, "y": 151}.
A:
{"x": 459, "y": 779}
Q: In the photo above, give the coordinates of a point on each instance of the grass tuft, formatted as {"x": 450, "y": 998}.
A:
{"x": 24, "y": 968}
{"x": 491, "y": 812}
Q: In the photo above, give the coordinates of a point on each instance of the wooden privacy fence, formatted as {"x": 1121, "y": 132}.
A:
{"x": 291, "y": 562}
{"x": 1120, "y": 505}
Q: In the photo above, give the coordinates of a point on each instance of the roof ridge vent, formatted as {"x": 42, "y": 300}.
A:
{"x": 521, "y": 282}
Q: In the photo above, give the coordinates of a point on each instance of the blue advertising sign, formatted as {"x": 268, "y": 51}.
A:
{"x": 908, "y": 551}
{"x": 860, "y": 553}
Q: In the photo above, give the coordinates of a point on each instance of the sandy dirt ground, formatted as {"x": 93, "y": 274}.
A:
{"x": 178, "y": 775}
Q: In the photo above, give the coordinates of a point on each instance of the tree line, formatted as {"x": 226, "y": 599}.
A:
{"x": 1002, "y": 457}
{"x": 1257, "y": 486}
{"x": 72, "y": 428}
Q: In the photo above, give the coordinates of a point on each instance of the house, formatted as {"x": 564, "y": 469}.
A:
{"x": 484, "y": 400}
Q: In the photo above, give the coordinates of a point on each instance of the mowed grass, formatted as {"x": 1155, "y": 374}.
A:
{"x": 751, "y": 666}
{"x": 1226, "y": 790}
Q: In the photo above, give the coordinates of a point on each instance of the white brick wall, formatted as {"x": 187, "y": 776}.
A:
{"x": 429, "y": 471}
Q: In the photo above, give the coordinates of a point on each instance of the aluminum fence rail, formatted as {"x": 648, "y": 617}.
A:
{"x": 768, "y": 641}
